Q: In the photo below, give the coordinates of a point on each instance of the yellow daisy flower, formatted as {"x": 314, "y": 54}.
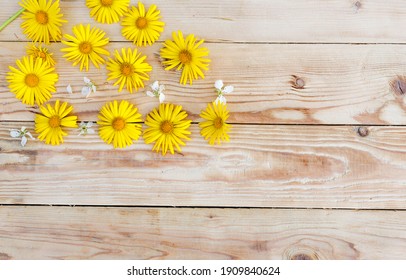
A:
{"x": 185, "y": 54}
{"x": 88, "y": 44}
{"x": 167, "y": 126}
{"x": 107, "y": 11}
{"x": 129, "y": 69}
{"x": 42, "y": 20}
{"x": 142, "y": 26}
{"x": 215, "y": 127}
{"x": 49, "y": 125}
{"x": 42, "y": 53}
{"x": 120, "y": 124}
{"x": 33, "y": 82}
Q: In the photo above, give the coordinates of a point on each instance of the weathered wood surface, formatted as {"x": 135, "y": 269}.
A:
{"x": 164, "y": 233}
{"x": 273, "y": 52}
{"x": 344, "y": 21}
{"x": 263, "y": 166}
{"x": 343, "y": 84}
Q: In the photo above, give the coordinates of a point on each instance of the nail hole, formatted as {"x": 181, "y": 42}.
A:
{"x": 363, "y": 131}
{"x": 297, "y": 82}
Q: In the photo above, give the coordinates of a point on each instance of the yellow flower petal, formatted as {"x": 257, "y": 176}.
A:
{"x": 33, "y": 82}
{"x": 119, "y": 123}
{"x": 215, "y": 128}
{"x": 49, "y": 125}
{"x": 88, "y": 44}
{"x": 128, "y": 69}
{"x": 107, "y": 11}
{"x": 167, "y": 127}
{"x": 42, "y": 20}
{"x": 142, "y": 27}
{"x": 186, "y": 55}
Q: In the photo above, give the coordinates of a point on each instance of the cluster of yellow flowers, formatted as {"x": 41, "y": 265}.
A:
{"x": 120, "y": 123}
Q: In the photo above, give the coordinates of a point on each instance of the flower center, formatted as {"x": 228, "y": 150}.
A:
{"x": 185, "y": 57}
{"x": 106, "y": 3}
{"x": 54, "y": 121}
{"x": 141, "y": 23}
{"x": 31, "y": 80}
{"x": 126, "y": 69}
{"x": 41, "y": 17}
{"x": 218, "y": 123}
{"x": 166, "y": 127}
{"x": 118, "y": 123}
{"x": 41, "y": 55}
{"x": 85, "y": 47}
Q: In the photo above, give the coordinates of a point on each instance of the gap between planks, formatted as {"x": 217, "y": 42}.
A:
{"x": 198, "y": 207}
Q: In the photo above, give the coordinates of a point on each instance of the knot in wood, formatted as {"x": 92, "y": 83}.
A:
{"x": 398, "y": 86}
{"x": 299, "y": 83}
{"x": 302, "y": 257}
{"x": 363, "y": 131}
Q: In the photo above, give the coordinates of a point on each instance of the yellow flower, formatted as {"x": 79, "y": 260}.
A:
{"x": 42, "y": 53}
{"x": 107, "y": 11}
{"x": 167, "y": 126}
{"x": 142, "y": 26}
{"x": 129, "y": 70}
{"x": 33, "y": 82}
{"x": 42, "y": 20}
{"x": 215, "y": 127}
{"x": 88, "y": 44}
{"x": 187, "y": 54}
{"x": 120, "y": 124}
{"x": 49, "y": 124}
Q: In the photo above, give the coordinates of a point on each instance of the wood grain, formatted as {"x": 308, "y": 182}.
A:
{"x": 159, "y": 233}
{"x": 300, "y": 84}
{"x": 318, "y": 86}
{"x": 262, "y": 166}
{"x": 347, "y": 21}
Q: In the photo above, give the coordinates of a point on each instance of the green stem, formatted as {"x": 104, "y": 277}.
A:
{"x": 13, "y": 17}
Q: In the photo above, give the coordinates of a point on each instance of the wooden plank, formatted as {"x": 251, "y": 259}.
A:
{"x": 342, "y": 84}
{"x": 262, "y": 166}
{"x": 366, "y": 21}
{"x": 154, "y": 233}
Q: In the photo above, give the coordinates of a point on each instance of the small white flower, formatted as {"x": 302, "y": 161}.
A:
{"x": 155, "y": 86}
{"x": 23, "y": 141}
{"x": 228, "y": 89}
{"x": 161, "y": 97}
{"x": 69, "y": 89}
{"x": 220, "y": 98}
{"x": 86, "y": 91}
{"x": 221, "y": 91}
{"x": 218, "y": 85}
{"x": 22, "y": 133}
{"x": 88, "y": 88}
{"x": 85, "y": 128}
{"x": 15, "y": 133}
{"x": 150, "y": 93}
{"x": 157, "y": 91}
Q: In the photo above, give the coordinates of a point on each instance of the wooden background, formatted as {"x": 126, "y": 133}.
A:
{"x": 297, "y": 181}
